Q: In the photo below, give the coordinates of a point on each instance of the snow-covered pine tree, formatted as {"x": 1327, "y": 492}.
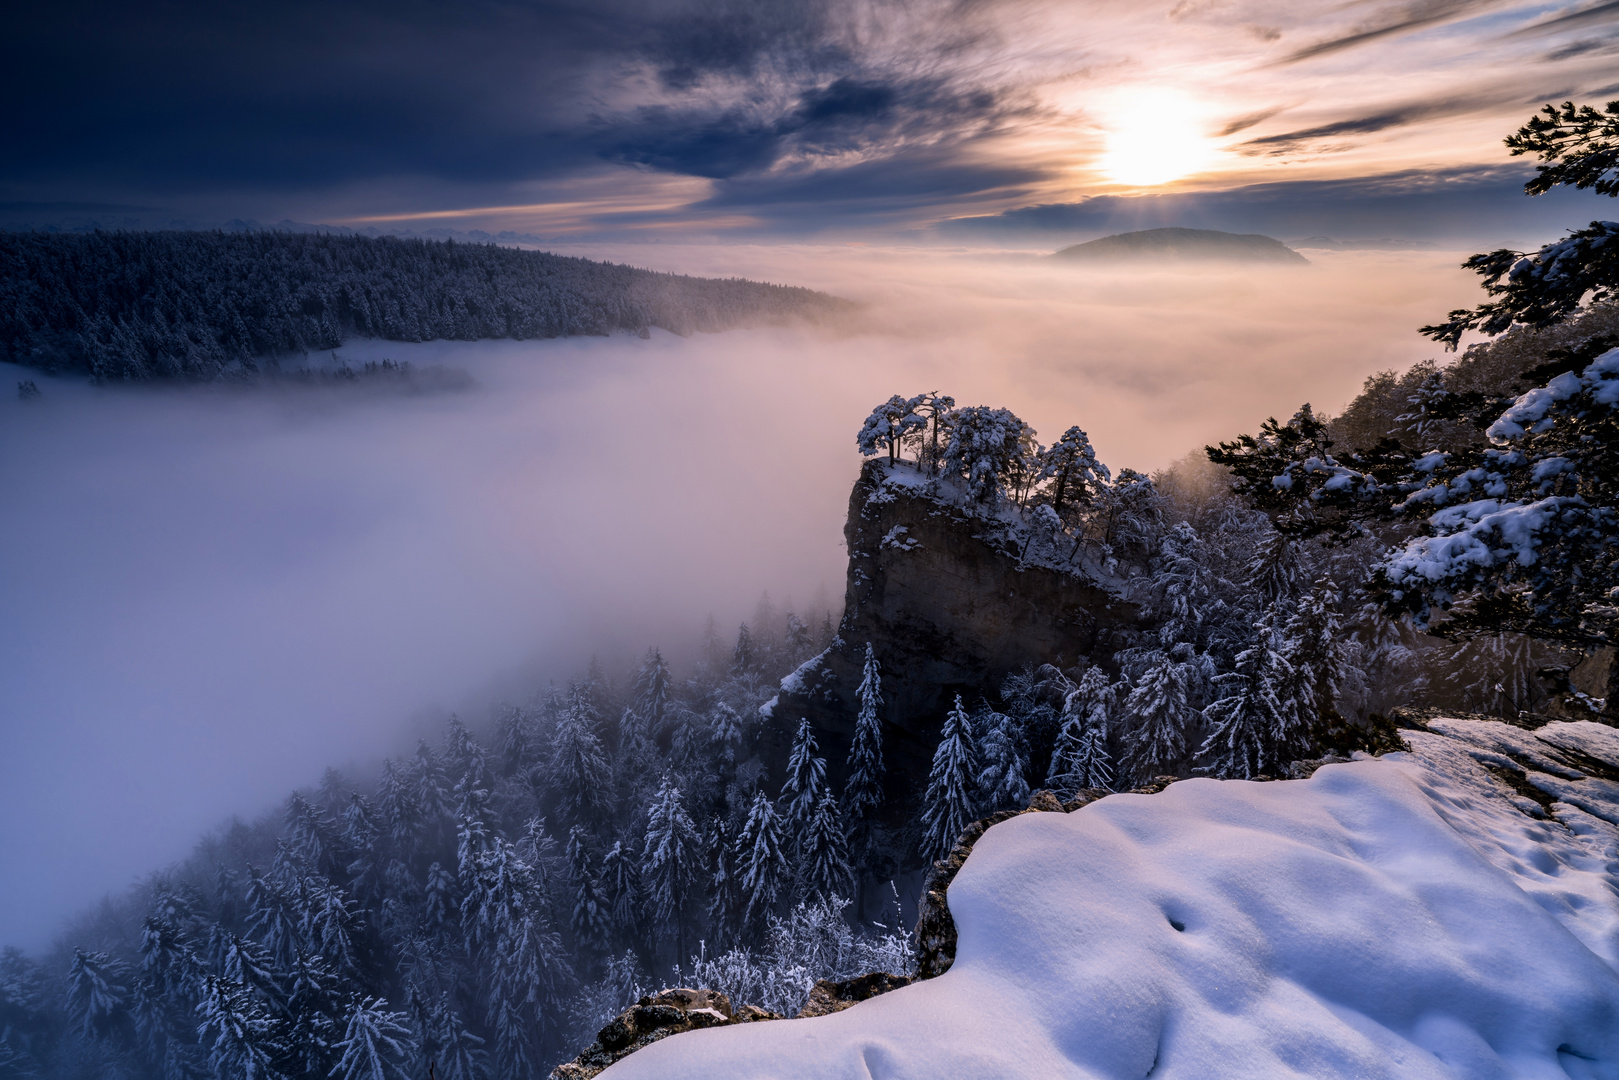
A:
{"x": 652, "y": 693}
{"x": 1080, "y": 758}
{"x": 1183, "y": 574}
{"x": 989, "y": 450}
{"x": 1312, "y": 642}
{"x": 1273, "y": 572}
{"x": 621, "y": 884}
{"x": 590, "y": 919}
{"x": 824, "y": 868}
{"x": 398, "y": 809}
{"x": 243, "y": 1038}
{"x": 468, "y": 763}
{"x": 806, "y": 779}
{"x": 744, "y": 660}
{"x": 461, "y": 1055}
{"x": 1164, "y": 706}
{"x": 1070, "y": 465}
{"x": 433, "y": 797}
{"x": 1004, "y": 759}
{"x": 864, "y": 789}
{"x": 887, "y": 426}
{"x": 517, "y": 740}
{"x": 97, "y": 994}
{"x": 440, "y": 908}
{"x": 1250, "y": 723}
{"x": 377, "y": 1044}
{"x": 672, "y": 860}
{"x": 727, "y": 904}
{"x": 578, "y": 768}
{"x": 725, "y": 732}
{"x": 762, "y": 857}
{"x": 949, "y": 798}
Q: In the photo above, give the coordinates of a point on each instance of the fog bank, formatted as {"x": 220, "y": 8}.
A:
{"x": 211, "y": 594}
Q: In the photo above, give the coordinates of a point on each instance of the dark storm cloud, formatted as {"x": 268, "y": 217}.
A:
{"x": 189, "y": 93}
{"x": 849, "y": 115}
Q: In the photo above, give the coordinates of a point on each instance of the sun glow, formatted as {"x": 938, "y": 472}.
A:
{"x": 1154, "y": 142}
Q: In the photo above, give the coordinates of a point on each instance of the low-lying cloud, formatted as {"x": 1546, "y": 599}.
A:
{"x": 212, "y": 594}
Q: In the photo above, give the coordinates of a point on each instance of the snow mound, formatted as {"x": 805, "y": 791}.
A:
{"x": 1410, "y": 916}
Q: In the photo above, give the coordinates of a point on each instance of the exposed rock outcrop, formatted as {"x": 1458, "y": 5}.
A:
{"x": 654, "y": 1017}
{"x": 835, "y": 995}
{"x": 950, "y": 605}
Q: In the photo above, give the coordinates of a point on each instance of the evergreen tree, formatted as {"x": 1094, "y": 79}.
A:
{"x": 1004, "y": 761}
{"x": 671, "y": 860}
{"x": 806, "y": 778}
{"x": 1163, "y": 707}
{"x": 824, "y": 870}
{"x": 590, "y": 919}
{"x": 376, "y": 1044}
{"x": 398, "y": 809}
{"x": 762, "y": 857}
{"x": 578, "y": 769}
{"x": 727, "y": 905}
{"x": 97, "y": 995}
{"x": 652, "y": 693}
{"x": 1313, "y": 646}
{"x": 243, "y": 1038}
{"x": 1250, "y": 722}
{"x": 887, "y": 425}
{"x": 1273, "y": 572}
{"x": 1071, "y": 466}
{"x": 949, "y": 798}
{"x": 743, "y": 658}
{"x": 1080, "y": 759}
{"x": 621, "y": 882}
{"x": 864, "y": 791}
{"x": 461, "y": 1055}
{"x": 440, "y": 908}
{"x": 725, "y": 732}
{"x": 433, "y": 798}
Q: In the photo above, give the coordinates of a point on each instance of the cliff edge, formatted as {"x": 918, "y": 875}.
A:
{"x": 952, "y": 599}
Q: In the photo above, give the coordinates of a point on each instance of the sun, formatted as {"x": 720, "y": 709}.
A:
{"x": 1152, "y": 144}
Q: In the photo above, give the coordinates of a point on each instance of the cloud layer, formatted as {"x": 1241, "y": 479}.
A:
{"x": 624, "y": 115}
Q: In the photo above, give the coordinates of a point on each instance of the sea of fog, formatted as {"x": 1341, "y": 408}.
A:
{"x": 208, "y": 595}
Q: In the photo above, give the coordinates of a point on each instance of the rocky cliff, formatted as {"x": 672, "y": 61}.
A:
{"x": 951, "y": 602}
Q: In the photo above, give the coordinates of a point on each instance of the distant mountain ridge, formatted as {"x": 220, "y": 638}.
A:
{"x": 1183, "y": 245}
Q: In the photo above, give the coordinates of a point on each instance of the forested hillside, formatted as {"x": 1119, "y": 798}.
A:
{"x": 204, "y": 305}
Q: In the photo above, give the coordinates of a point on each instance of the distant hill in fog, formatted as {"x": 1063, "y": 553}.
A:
{"x": 207, "y": 305}
{"x": 1182, "y": 245}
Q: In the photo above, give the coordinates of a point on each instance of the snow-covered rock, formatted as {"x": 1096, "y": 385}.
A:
{"x": 1447, "y": 912}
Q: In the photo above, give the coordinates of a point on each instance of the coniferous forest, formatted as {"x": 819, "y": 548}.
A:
{"x": 483, "y": 903}
{"x": 209, "y": 305}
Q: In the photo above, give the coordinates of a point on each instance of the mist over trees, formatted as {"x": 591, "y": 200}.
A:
{"x": 133, "y": 306}
{"x": 483, "y": 903}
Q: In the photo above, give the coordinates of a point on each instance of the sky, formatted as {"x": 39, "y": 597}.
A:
{"x": 996, "y": 121}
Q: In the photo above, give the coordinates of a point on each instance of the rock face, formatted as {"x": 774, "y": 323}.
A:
{"x": 834, "y": 995}
{"x": 949, "y": 607}
{"x": 1183, "y": 245}
{"x": 654, "y": 1017}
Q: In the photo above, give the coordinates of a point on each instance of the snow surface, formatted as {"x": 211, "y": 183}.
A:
{"x": 1407, "y": 916}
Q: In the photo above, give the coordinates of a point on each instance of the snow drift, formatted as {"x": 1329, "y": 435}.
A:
{"x": 1409, "y": 916}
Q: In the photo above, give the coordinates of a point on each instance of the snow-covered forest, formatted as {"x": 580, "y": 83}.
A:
{"x": 210, "y": 305}
{"x": 483, "y": 903}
